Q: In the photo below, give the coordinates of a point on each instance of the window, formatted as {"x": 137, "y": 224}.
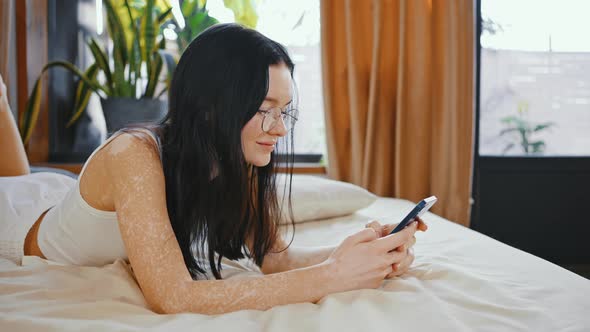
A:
{"x": 295, "y": 24}
{"x": 531, "y": 167}
{"x": 535, "y": 78}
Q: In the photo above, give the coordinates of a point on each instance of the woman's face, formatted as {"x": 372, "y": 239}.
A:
{"x": 256, "y": 144}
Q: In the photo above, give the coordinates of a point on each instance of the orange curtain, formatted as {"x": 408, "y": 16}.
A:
{"x": 399, "y": 98}
{"x": 6, "y": 7}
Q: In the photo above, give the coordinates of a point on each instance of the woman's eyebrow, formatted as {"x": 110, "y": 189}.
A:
{"x": 271, "y": 99}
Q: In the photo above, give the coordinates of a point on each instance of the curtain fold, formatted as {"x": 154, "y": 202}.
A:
{"x": 398, "y": 90}
{"x": 5, "y": 23}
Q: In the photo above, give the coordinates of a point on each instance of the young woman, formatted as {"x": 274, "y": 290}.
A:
{"x": 185, "y": 198}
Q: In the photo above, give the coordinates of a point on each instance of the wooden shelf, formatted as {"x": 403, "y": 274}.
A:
{"x": 298, "y": 168}
{"x": 72, "y": 167}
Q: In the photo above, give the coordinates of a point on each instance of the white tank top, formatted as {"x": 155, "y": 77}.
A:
{"x": 73, "y": 232}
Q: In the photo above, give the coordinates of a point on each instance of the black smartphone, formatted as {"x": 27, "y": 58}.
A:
{"x": 418, "y": 211}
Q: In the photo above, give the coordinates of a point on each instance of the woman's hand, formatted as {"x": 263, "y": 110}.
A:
{"x": 407, "y": 248}
{"x": 364, "y": 259}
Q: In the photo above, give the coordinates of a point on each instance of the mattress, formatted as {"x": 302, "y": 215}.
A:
{"x": 460, "y": 281}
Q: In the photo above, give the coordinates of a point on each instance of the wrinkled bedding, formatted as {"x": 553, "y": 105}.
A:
{"x": 460, "y": 281}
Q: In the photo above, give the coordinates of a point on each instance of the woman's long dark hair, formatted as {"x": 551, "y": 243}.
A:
{"x": 216, "y": 202}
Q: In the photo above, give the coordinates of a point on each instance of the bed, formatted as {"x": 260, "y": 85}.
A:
{"x": 460, "y": 281}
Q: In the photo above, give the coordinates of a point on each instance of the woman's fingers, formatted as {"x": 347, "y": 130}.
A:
{"x": 422, "y": 226}
{"x": 374, "y": 224}
{"x": 402, "y": 255}
{"x": 388, "y": 228}
{"x": 403, "y": 266}
{"x": 365, "y": 235}
{"x": 396, "y": 257}
{"x": 384, "y": 230}
{"x": 411, "y": 242}
{"x": 391, "y": 242}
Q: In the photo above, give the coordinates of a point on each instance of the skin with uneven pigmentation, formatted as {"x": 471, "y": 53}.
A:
{"x": 126, "y": 176}
{"x": 362, "y": 261}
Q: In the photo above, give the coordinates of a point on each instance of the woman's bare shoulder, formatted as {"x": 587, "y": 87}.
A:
{"x": 131, "y": 153}
{"x": 129, "y": 160}
{"x": 116, "y": 163}
{"x": 132, "y": 145}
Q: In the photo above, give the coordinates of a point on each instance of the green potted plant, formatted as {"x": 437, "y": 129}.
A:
{"x": 128, "y": 83}
{"x": 524, "y": 130}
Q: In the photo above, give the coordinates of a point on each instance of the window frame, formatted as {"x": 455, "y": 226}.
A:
{"x": 52, "y": 143}
{"x": 533, "y": 221}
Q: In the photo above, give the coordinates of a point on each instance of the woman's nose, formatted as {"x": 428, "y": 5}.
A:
{"x": 279, "y": 129}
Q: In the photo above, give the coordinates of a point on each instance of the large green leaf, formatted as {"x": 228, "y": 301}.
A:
{"x": 117, "y": 33}
{"x": 137, "y": 9}
{"x": 244, "y": 11}
{"x": 28, "y": 119}
{"x": 165, "y": 16}
{"x": 134, "y": 70}
{"x": 101, "y": 61}
{"x": 148, "y": 40}
{"x": 198, "y": 21}
{"x": 83, "y": 93}
{"x": 148, "y": 32}
{"x": 188, "y": 6}
{"x": 154, "y": 74}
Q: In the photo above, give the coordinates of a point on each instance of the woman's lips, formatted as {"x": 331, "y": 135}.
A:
{"x": 266, "y": 146}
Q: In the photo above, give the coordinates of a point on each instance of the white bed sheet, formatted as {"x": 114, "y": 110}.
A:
{"x": 460, "y": 281}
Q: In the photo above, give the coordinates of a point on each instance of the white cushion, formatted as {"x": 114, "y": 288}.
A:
{"x": 315, "y": 197}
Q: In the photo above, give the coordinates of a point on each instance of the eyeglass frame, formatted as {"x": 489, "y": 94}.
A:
{"x": 282, "y": 116}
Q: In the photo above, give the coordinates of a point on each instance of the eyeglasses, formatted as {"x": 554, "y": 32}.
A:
{"x": 272, "y": 116}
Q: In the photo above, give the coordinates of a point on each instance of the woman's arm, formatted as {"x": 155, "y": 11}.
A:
{"x": 293, "y": 257}
{"x": 139, "y": 197}
{"x": 279, "y": 260}
{"x": 138, "y": 192}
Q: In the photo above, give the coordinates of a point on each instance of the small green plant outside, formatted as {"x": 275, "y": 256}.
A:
{"x": 524, "y": 130}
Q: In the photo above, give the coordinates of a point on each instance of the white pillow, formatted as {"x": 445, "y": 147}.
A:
{"x": 314, "y": 197}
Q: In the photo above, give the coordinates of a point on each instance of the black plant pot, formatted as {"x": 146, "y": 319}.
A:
{"x": 120, "y": 112}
